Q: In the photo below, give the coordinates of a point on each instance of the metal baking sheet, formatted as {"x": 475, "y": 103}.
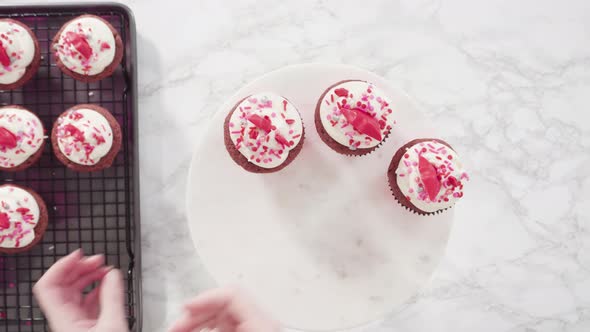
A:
{"x": 99, "y": 211}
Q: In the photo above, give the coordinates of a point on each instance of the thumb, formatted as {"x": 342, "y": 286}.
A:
{"x": 112, "y": 302}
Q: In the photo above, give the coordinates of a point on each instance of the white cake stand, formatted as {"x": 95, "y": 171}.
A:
{"x": 321, "y": 244}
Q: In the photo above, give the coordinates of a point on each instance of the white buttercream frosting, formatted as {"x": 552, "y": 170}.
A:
{"x": 361, "y": 97}
{"x": 86, "y": 46}
{"x": 18, "y": 48}
{"x": 450, "y": 176}
{"x": 21, "y": 136}
{"x": 264, "y": 127}
{"x": 84, "y": 136}
{"x": 19, "y": 215}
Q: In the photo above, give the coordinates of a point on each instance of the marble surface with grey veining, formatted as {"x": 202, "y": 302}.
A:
{"x": 508, "y": 82}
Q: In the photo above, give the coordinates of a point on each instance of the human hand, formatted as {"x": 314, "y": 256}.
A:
{"x": 224, "y": 310}
{"x": 60, "y": 295}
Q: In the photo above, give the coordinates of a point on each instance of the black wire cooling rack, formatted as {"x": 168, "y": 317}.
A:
{"x": 94, "y": 211}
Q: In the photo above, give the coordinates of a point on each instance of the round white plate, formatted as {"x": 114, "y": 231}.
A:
{"x": 322, "y": 244}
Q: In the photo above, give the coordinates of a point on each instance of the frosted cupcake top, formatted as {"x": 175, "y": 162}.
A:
{"x": 84, "y": 136}
{"x": 19, "y": 215}
{"x": 264, "y": 127}
{"x": 356, "y": 114}
{"x": 17, "y": 51}
{"x": 21, "y": 136}
{"x": 431, "y": 176}
{"x": 86, "y": 45}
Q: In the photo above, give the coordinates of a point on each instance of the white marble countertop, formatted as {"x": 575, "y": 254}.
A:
{"x": 508, "y": 82}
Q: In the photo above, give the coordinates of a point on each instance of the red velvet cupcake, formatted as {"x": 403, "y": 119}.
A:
{"x": 20, "y": 55}
{"x": 22, "y": 138}
{"x": 86, "y": 138}
{"x": 353, "y": 117}
{"x": 426, "y": 176}
{"x": 263, "y": 133}
{"x": 23, "y": 219}
{"x": 88, "y": 48}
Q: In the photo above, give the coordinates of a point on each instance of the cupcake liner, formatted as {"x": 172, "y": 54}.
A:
{"x": 370, "y": 150}
{"x": 413, "y": 210}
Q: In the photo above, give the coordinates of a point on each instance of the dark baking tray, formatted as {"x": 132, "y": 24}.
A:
{"x": 99, "y": 211}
